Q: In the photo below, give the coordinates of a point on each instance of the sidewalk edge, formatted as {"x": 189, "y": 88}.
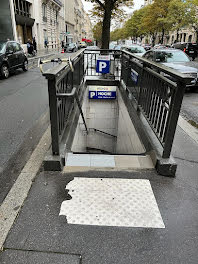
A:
{"x": 14, "y": 200}
{"x": 191, "y": 131}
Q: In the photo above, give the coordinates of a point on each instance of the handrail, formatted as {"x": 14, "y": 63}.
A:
{"x": 74, "y": 94}
{"x": 163, "y": 68}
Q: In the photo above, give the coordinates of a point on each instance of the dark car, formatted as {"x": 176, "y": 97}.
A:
{"x": 12, "y": 57}
{"x": 72, "y": 47}
{"x": 189, "y": 48}
{"x": 175, "y": 59}
{"x": 137, "y": 49}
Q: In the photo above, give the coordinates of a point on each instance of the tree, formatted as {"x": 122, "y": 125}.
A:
{"x": 181, "y": 13}
{"x": 117, "y": 34}
{"x": 107, "y": 9}
{"x": 193, "y": 5}
{"x": 149, "y": 24}
{"x": 133, "y": 27}
{"x": 97, "y": 32}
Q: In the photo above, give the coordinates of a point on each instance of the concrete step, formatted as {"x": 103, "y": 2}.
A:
{"x": 83, "y": 162}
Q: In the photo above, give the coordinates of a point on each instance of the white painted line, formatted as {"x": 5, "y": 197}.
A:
{"x": 188, "y": 128}
{"x": 112, "y": 202}
{"x": 14, "y": 200}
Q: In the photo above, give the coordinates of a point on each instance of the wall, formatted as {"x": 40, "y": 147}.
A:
{"x": 6, "y": 30}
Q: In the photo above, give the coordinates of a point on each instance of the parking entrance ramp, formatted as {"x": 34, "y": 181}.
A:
{"x": 151, "y": 93}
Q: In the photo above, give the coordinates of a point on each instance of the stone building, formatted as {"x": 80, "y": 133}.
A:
{"x": 51, "y": 20}
{"x": 88, "y": 28}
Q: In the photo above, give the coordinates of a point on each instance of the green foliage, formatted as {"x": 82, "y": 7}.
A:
{"x": 104, "y": 10}
{"x": 161, "y": 16}
{"x": 117, "y": 34}
{"x": 180, "y": 14}
{"x": 97, "y": 32}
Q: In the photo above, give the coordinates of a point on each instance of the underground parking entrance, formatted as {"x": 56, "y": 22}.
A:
{"x": 121, "y": 117}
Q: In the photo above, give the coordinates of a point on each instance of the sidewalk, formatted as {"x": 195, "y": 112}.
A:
{"x": 41, "y": 235}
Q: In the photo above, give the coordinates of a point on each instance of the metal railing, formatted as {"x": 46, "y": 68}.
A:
{"x": 158, "y": 93}
{"x": 91, "y": 57}
{"x": 63, "y": 88}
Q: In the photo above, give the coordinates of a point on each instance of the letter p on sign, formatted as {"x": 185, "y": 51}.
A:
{"x": 102, "y": 66}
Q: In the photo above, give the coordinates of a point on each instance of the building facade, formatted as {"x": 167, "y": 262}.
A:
{"x": 51, "y": 21}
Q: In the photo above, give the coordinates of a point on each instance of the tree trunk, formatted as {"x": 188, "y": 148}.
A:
{"x": 163, "y": 32}
{"x": 106, "y": 26}
{"x": 153, "y": 39}
{"x": 177, "y": 39}
{"x": 197, "y": 36}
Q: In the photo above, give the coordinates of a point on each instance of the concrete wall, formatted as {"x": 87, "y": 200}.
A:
{"x": 6, "y": 30}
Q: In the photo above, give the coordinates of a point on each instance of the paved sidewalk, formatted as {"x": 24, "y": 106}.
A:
{"x": 40, "y": 235}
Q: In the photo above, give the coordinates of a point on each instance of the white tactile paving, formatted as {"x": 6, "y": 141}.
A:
{"x": 112, "y": 202}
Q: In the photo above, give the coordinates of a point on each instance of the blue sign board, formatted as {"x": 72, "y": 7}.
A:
{"x": 101, "y": 92}
{"x": 103, "y": 64}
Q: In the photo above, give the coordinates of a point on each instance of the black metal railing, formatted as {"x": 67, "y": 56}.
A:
{"x": 159, "y": 98}
{"x": 156, "y": 91}
{"x": 64, "y": 84}
{"x": 91, "y": 57}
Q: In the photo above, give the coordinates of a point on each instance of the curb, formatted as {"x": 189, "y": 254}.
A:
{"x": 191, "y": 131}
{"x": 14, "y": 200}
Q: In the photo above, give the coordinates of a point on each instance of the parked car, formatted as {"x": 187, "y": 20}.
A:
{"x": 12, "y": 57}
{"x": 189, "y": 48}
{"x": 160, "y": 46}
{"x": 177, "y": 60}
{"x": 147, "y": 46}
{"x": 72, "y": 47}
{"x": 82, "y": 44}
{"x": 117, "y": 52}
{"x": 137, "y": 49}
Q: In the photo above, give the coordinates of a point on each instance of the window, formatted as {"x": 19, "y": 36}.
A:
{"x": 149, "y": 55}
{"x": 177, "y": 56}
{"x": 16, "y": 47}
{"x": 44, "y": 11}
{"x": 9, "y": 48}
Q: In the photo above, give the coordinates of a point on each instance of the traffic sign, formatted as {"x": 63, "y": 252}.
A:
{"x": 103, "y": 64}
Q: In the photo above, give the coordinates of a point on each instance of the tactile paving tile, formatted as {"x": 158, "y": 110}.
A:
{"x": 112, "y": 202}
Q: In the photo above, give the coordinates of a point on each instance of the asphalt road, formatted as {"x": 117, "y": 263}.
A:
{"x": 189, "y": 108}
{"x": 23, "y": 119}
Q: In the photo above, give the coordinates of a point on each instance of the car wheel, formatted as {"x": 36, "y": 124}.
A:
{"x": 5, "y": 71}
{"x": 25, "y": 66}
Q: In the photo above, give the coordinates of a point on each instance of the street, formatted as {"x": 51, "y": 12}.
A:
{"x": 189, "y": 108}
{"x": 23, "y": 119}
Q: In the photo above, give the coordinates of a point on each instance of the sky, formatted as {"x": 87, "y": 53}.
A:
{"x": 137, "y": 5}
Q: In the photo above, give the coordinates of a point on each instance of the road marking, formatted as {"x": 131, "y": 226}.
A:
{"x": 14, "y": 200}
{"x": 112, "y": 202}
{"x": 189, "y": 129}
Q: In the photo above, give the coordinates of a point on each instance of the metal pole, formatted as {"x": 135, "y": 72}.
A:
{"x": 173, "y": 118}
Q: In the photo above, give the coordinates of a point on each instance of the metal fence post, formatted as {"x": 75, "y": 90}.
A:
{"x": 53, "y": 115}
{"x": 173, "y": 118}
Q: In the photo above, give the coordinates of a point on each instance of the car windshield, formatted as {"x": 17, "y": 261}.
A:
{"x": 172, "y": 56}
{"x": 2, "y": 47}
{"x": 117, "y": 47}
{"x": 137, "y": 49}
{"x": 71, "y": 44}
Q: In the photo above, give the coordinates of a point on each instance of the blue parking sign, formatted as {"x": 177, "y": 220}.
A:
{"x": 103, "y": 64}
